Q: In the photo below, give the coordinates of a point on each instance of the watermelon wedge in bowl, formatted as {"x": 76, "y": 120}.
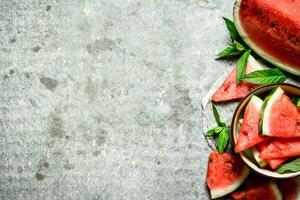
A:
{"x": 258, "y": 109}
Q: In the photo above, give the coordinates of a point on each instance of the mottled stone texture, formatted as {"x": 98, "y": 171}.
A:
{"x": 102, "y": 99}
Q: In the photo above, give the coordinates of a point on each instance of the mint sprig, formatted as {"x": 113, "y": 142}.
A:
{"x": 232, "y": 29}
{"x": 221, "y": 132}
{"x": 237, "y": 47}
{"x": 233, "y": 49}
{"x": 292, "y": 166}
{"x": 223, "y": 139}
{"x": 266, "y": 76}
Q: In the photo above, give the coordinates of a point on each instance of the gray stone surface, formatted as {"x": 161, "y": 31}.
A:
{"x": 102, "y": 99}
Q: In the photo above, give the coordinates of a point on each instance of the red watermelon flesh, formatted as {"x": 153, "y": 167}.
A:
{"x": 274, "y": 163}
{"x": 225, "y": 173}
{"x": 282, "y": 148}
{"x": 281, "y": 118}
{"x": 265, "y": 191}
{"x": 272, "y": 29}
{"x": 290, "y": 188}
{"x": 250, "y": 129}
{"x": 230, "y": 90}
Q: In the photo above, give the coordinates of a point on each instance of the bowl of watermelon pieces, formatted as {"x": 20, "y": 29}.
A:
{"x": 266, "y": 130}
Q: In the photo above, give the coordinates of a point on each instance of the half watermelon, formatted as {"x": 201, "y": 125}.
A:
{"x": 282, "y": 148}
{"x": 225, "y": 173}
{"x": 249, "y": 131}
{"x": 230, "y": 90}
{"x": 281, "y": 118}
{"x": 272, "y": 30}
{"x": 264, "y": 191}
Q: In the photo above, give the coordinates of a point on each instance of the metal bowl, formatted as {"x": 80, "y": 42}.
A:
{"x": 246, "y": 155}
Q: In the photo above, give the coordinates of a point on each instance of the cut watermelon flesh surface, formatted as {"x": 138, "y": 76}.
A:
{"x": 282, "y": 148}
{"x": 225, "y": 173}
{"x": 250, "y": 130}
{"x": 230, "y": 90}
{"x": 274, "y": 163}
{"x": 272, "y": 30}
{"x": 290, "y": 188}
{"x": 281, "y": 118}
{"x": 264, "y": 191}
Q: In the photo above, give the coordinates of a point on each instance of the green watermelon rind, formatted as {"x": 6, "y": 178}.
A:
{"x": 262, "y": 163}
{"x": 254, "y": 47}
{"x": 254, "y": 63}
{"x": 220, "y": 192}
{"x": 272, "y": 98}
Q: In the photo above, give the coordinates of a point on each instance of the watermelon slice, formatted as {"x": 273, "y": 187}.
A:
{"x": 281, "y": 118}
{"x": 282, "y": 148}
{"x": 262, "y": 163}
{"x": 290, "y": 188}
{"x": 272, "y": 30}
{"x": 230, "y": 90}
{"x": 264, "y": 191}
{"x": 249, "y": 132}
{"x": 225, "y": 173}
{"x": 274, "y": 163}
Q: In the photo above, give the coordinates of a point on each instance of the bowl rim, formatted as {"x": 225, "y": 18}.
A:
{"x": 245, "y": 159}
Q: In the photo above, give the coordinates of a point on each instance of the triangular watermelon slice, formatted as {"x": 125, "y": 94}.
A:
{"x": 249, "y": 131}
{"x": 290, "y": 188}
{"x": 230, "y": 90}
{"x": 274, "y": 163}
{"x": 281, "y": 118}
{"x": 282, "y": 148}
{"x": 265, "y": 191}
{"x": 225, "y": 173}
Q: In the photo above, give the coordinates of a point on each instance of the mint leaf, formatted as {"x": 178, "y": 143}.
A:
{"x": 232, "y": 29}
{"x": 238, "y": 46}
{"x": 218, "y": 129}
{"x": 223, "y": 139}
{"x": 242, "y": 65}
{"x": 214, "y": 132}
{"x": 217, "y": 116}
{"x": 210, "y": 133}
{"x": 221, "y": 132}
{"x": 293, "y": 166}
{"x": 266, "y": 76}
{"x": 228, "y": 51}
{"x": 232, "y": 49}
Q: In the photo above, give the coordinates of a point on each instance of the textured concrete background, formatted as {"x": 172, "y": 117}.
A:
{"x": 102, "y": 99}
